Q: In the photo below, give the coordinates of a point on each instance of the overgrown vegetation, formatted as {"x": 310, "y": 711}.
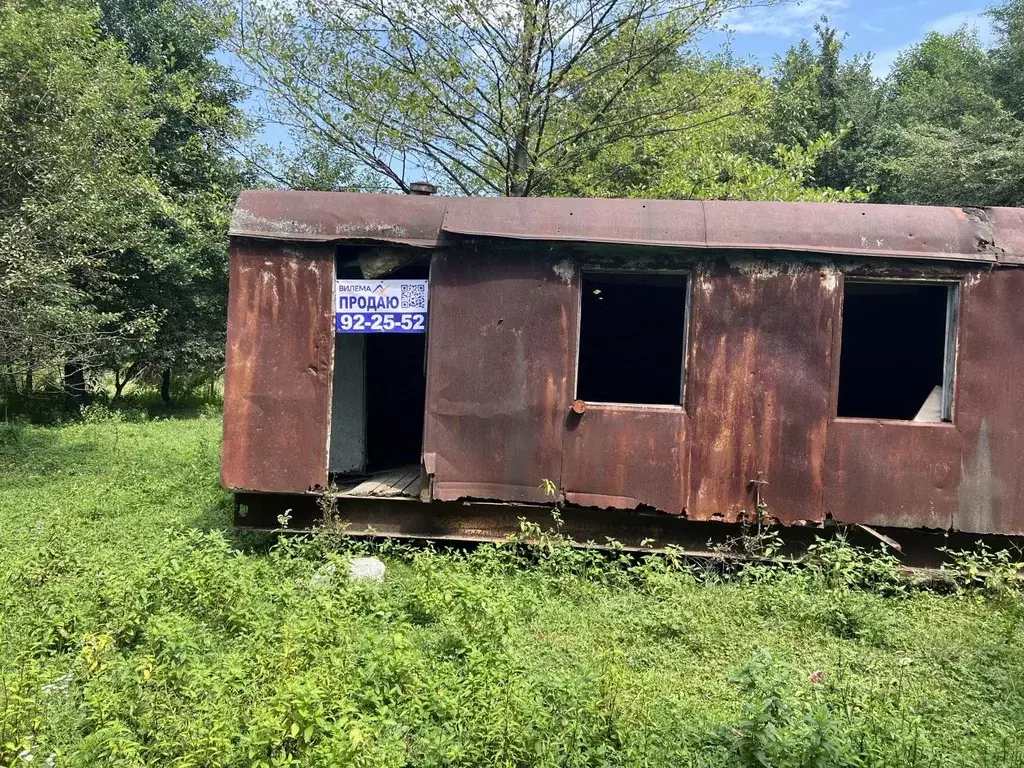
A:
{"x": 137, "y": 629}
{"x": 116, "y": 182}
{"x": 621, "y": 98}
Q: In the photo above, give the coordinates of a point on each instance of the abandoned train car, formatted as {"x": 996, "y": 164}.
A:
{"x": 699, "y": 361}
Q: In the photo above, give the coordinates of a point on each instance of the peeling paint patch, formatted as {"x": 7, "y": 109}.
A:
{"x": 371, "y": 229}
{"x": 565, "y": 270}
{"x": 830, "y": 279}
{"x": 758, "y": 268}
{"x": 976, "y": 506}
{"x": 762, "y": 268}
{"x": 243, "y": 221}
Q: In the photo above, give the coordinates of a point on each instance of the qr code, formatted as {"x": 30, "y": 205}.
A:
{"x": 414, "y": 297}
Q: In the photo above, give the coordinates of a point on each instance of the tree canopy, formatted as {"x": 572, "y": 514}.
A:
{"x": 115, "y": 186}
{"x": 509, "y": 98}
{"x": 125, "y": 136}
{"x": 944, "y": 128}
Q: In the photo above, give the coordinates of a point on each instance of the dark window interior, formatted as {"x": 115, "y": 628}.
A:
{"x": 396, "y": 391}
{"x": 893, "y": 348}
{"x": 632, "y": 338}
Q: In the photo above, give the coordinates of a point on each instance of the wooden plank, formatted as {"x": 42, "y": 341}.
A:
{"x": 383, "y": 483}
{"x": 367, "y": 487}
{"x": 390, "y": 484}
{"x": 395, "y": 483}
{"x": 412, "y": 488}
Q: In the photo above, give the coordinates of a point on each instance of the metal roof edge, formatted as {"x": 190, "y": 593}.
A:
{"x": 338, "y": 216}
{"x": 986, "y": 235}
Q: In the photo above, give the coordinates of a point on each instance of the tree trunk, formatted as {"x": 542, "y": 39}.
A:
{"x": 74, "y": 384}
{"x": 165, "y": 386}
{"x": 518, "y": 185}
{"x": 119, "y": 385}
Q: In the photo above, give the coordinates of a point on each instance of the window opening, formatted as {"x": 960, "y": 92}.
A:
{"x": 896, "y": 359}
{"x": 632, "y": 339}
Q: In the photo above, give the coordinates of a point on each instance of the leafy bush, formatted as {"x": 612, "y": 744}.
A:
{"x": 1000, "y": 574}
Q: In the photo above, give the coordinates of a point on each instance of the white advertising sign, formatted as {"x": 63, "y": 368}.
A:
{"x": 380, "y": 306}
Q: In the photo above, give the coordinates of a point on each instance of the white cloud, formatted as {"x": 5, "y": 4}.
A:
{"x": 781, "y": 20}
{"x": 872, "y": 28}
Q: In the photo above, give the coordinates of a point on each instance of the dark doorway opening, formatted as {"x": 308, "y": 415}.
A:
{"x": 893, "y": 360}
{"x": 396, "y": 391}
{"x": 632, "y": 339}
{"x": 379, "y": 391}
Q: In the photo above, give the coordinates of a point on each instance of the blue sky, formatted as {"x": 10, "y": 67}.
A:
{"x": 883, "y": 27}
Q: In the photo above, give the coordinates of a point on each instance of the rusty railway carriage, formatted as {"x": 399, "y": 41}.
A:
{"x": 656, "y": 362}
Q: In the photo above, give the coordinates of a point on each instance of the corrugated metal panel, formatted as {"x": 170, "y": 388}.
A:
{"x": 893, "y": 231}
{"x": 278, "y": 372}
{"x": 502, "y": 330}
{"x": 760, "y": 370}
{"x": 624, "y": 457}
{"x": 890, "y": 473}
{"x": 989, "y": 409}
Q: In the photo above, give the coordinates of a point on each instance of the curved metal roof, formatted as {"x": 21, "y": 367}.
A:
{"x": 993, "y": 235}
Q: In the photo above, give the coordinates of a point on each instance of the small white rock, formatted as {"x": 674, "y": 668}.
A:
{"x": 366, "y": 568}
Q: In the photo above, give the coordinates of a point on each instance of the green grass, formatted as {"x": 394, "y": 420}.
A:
{"x": 138, "y": 629}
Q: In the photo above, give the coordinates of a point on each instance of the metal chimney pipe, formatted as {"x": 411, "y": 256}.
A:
{"x": 422, "y": 188}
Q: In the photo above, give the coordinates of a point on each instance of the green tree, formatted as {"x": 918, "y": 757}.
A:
{"x": 499, "y": 97}
{"x": 1008, "y": 55}
{"x": 74, "y": 184}
{"x": 948, "y": 138}
{"x": 116, "y": 182}
{"x": 182, "y": 283}
{"x": 819, "y": 95}
{"x": 720, "y": 152}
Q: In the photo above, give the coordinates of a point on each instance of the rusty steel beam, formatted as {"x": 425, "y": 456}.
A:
{"x": 476, "y": 523}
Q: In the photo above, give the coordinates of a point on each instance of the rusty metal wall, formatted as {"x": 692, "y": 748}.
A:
{"x": 623, "y": 457}
{"x": 886, "y": 472}
{"x": 760, "y": 368}
{"x": 278, "y": 372}
{"x": 989, "y": 407}
{"x": 501, "y": 345}
{"x": 892, "y": 473}
{"x": 966, "y": 475}
{"x": 762, "y": 371}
